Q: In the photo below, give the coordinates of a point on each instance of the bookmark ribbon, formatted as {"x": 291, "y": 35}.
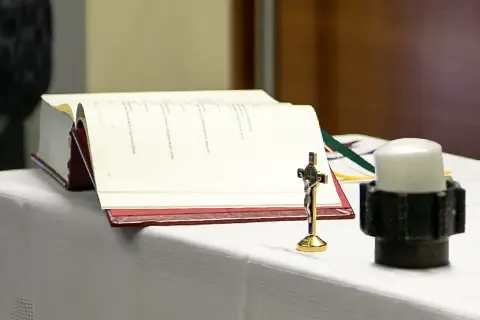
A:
{"x": 346, "y": 152}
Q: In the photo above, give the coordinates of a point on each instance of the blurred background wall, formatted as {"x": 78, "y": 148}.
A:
{"x": 384, "y": 68}
{"x": 157, "y": 45}
{"x": 389, "y": 69}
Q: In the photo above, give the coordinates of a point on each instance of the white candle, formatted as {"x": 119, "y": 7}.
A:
{"x": 410, "y": 165}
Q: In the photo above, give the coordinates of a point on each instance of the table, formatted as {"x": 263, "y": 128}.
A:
{"x": 59, "y": 259}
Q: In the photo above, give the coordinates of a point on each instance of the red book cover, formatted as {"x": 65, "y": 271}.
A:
{"x": 81, "y": 178}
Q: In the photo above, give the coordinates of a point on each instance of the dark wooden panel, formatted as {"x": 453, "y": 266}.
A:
{"x": 413, "y": 66}
{"x": 305, "y": 56}
{"x": 243, "y": 43}
{"x": 449, "y": 51}
{"x": 385, "y": 68}
{"x": 376, "y": 93}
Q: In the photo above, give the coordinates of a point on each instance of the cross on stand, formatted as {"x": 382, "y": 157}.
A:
{"x": 311, "y": 179}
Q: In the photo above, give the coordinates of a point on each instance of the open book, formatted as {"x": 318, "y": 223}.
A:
{"x": 186, "y": 157}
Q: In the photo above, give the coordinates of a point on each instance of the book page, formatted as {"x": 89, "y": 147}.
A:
{"x": 53, "y": 138}
{"x": 169, "y": 97}
{"x": 154, "y": 155}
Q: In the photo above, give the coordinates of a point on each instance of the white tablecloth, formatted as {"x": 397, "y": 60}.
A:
{"x": 59, "y": 259}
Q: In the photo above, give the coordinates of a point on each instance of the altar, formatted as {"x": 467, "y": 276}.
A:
{"x": 60, "y": 259}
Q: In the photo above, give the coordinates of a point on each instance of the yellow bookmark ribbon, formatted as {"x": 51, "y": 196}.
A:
{"x": 366, "y": 178}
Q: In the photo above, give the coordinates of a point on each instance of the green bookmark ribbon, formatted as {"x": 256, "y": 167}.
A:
{"x": 346, "y": 152}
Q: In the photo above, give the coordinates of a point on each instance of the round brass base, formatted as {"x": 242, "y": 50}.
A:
{"x": 312, "y": 243}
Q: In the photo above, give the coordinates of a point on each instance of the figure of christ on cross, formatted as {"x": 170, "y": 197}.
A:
{"x": 311, "y": 179}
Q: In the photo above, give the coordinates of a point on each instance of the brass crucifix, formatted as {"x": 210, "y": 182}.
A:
{"x": 311, "y": 180}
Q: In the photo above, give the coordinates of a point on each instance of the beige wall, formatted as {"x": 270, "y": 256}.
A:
{"x": 157, "y": 45}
